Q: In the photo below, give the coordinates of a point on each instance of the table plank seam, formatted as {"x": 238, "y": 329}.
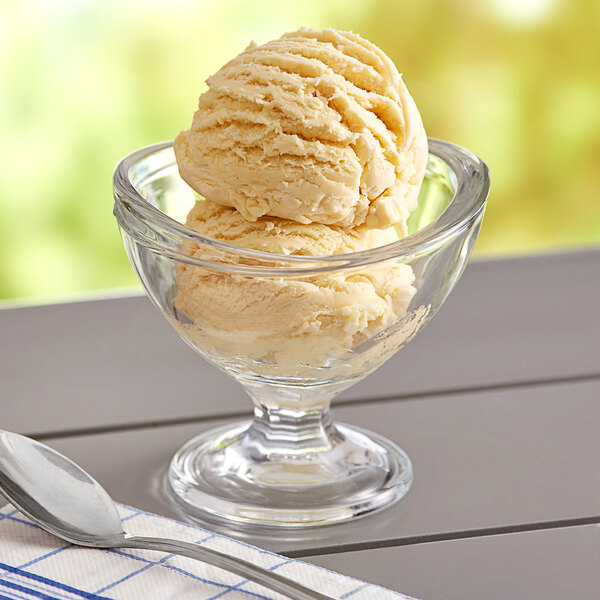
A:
{"x": 444, "y": 537}
{"x": 246, "y": 414}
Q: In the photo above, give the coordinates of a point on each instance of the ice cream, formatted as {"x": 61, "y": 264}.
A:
{"x": 307, "y": 145}
{"x": 292, "y": 323}
{"x": 316, "y": 127}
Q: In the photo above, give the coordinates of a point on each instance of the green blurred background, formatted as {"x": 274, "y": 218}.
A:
{"x": 83, "y": 83}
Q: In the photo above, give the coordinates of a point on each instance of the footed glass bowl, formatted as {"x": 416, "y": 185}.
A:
{"x": 294, "y": 331}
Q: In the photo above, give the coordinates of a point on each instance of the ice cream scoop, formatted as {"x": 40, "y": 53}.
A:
{"x": 316, "y": 127}
{"x": 290, "y": 324}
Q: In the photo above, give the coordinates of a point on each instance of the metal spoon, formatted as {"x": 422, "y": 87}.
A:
{"x": 64, "y": 500}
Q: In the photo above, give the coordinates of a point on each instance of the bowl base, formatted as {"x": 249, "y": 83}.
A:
{"x": 230, "y": 473}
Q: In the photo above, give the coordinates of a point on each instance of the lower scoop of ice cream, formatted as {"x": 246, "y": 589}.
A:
{"x": 286, "y": 325}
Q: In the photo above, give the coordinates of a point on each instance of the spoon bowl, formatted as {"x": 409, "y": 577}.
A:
{"x": 56, "y": 493}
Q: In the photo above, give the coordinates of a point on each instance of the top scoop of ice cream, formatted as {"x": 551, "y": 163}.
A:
{"x": 316, "y": 127}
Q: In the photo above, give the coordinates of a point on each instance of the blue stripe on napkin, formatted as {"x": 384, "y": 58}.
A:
{"x": 46, "y": 581}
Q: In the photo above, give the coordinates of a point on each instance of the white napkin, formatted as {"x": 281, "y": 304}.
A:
{"x": 35, "y": 565}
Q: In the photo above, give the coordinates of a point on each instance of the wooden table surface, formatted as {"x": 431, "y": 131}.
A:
{"x": 497, "y": 402}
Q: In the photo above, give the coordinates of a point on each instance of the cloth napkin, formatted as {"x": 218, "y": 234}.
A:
{"x": 35, "y": 565}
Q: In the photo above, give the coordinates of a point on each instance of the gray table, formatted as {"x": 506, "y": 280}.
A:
{"x": 497, "y": 402}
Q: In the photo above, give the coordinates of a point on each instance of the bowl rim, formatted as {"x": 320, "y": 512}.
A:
{"x": 153, "y": 228}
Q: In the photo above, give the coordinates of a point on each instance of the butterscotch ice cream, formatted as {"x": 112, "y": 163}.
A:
{"x": 291, "y": 322}
{"x": 315, "y": 127}
{"x": 307, "y": 145}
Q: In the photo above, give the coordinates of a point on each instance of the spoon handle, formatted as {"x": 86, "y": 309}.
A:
{"x": 268, "y": 579}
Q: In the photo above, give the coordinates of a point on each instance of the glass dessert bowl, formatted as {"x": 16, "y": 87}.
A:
{"x": 294, "y": 330}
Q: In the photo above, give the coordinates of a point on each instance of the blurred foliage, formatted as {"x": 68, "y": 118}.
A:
{"x": 83, "y": 83}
